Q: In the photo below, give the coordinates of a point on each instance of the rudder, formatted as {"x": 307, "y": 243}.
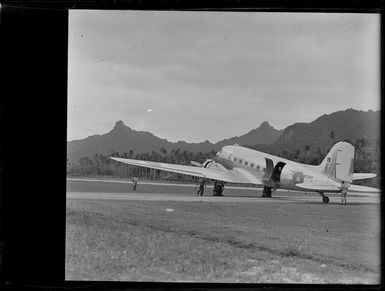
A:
{"x": 339, "y": 162}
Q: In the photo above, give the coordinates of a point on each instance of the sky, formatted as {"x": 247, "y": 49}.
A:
{"x": 197, "y": 76}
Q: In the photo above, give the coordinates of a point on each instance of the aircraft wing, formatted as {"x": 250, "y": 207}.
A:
{"x": 232, "y": 176}
{"x": 358, "y": 176}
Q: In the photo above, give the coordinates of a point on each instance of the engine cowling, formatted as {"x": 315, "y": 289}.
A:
{"x": 211, "y": 164}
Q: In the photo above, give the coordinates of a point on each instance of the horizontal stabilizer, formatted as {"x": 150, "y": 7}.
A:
{"x": 363, "y": 189}
{"x": 359, "y": 176}
{"x": 314, "y": 187}
{"x": 333, "y": 188}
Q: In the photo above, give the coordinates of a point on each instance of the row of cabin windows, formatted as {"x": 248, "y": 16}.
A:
{"x": 246, "y": 163}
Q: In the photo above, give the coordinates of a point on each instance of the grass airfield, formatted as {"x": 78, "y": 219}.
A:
{"x": 225, "y": 241}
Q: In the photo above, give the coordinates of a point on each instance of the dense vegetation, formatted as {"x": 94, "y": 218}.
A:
{"x": 366, "y": 160}
{"x": 103, "y": 165}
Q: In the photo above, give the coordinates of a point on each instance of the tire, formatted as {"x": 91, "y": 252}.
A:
{"x": 325, "y": 199}
{"x": 266, "y": 192}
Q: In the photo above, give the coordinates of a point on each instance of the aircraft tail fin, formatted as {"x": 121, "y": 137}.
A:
{"x": 339, "y": 162}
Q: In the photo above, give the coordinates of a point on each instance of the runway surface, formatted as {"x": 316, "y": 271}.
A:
{"x": 150, "y": 191}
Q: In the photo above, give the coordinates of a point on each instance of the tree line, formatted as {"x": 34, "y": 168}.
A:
{"x": 102, "y": 165}
{"x": 366, "y": 160}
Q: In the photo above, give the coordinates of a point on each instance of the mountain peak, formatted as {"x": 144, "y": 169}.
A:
{"x": 265, "y": 124}
{"x": 120, "y": 126}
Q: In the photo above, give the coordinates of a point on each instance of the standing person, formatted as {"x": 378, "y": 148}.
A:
{"x": 135, "y": 182}
{"x": 222, "y": 187}
{"x": 202, "y": 184}
{"x": 344, "y": 192}
{"x": 215, "y": 188}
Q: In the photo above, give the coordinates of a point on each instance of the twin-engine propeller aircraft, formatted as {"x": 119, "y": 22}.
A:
{"x": 237, "y": 164}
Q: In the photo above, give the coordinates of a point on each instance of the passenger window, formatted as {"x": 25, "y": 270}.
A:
{"x": 235, "y": 159}
{"x": 240, "y": 161}
{"x": 246, "y": 163}
{"x": 252, "y": 165}
{"x": 258, "y": 167}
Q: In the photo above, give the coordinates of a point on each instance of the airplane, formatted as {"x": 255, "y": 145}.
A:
{"x": 237, "y": 164}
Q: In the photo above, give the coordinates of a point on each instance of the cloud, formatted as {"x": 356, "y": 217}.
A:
{"x": 200, "y": 70}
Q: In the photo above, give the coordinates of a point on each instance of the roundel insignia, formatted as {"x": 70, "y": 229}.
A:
{"x": 298, "y": 178}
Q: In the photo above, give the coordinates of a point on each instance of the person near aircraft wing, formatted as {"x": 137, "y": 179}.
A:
{"x": 135, "y": 183}
{"x": 215, "y": 188}
{"x": 240, "y": 165}
{"x": 202, "y": 184}
{"x": 344, "y": 192}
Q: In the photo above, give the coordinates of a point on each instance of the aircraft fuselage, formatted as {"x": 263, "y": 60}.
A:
{"x": 273, "y": 171}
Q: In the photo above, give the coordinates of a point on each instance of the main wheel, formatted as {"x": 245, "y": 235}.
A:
{"x": 325, "y": 199}
{"x": 266, "y": 192}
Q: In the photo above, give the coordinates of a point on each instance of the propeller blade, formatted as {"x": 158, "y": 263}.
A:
{"x": 196, "y": 164}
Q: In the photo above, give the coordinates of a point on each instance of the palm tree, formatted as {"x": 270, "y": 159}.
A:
{"x": 97, "y": 163}
{"x": 307, "y": 148}
{"x": 285, "y": 154}
{"x": 319, "y": 153}
{"x": 332, "y": 136}
{"x": 297, "y": 154}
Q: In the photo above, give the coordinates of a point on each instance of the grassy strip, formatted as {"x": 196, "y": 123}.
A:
{"x": 291, "y": 248}
{"x": 104, "y": 250}
{"x": 120, "y": 247}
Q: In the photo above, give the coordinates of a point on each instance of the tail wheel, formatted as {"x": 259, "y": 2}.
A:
{"x": 325, "y": 199}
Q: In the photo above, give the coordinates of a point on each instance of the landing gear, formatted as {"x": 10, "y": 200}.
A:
{"x": 266, "y": 192}
{"x": 325, "y": 199}
{"x": 218, "y": 188}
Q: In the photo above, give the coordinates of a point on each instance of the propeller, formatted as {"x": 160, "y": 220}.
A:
{"x": 196, "y": 164}
{"x": 205, "y": 164}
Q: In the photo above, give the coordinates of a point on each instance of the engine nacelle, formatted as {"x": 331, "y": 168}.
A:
{"x": 210, "y": 164}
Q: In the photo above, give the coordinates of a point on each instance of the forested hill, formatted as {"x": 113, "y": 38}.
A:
{"x": 124, "y": 139}
{"x": 349, "y": 125}
{"x": 361, "y": 128}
